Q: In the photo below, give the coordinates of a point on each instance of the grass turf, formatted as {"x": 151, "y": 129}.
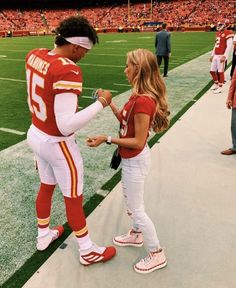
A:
{"x": 103, "y": 66}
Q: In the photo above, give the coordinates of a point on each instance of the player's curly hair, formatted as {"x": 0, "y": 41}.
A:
{"x": 146, "y": 80}
{"x": 75, "y": 26}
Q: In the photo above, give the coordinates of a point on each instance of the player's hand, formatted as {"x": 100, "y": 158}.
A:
{"x": 229, "y": 104}
{"x": 104, "y": 96}
{"x": 96, "y": 140}
{"x": 211, "y": 58}
{"x": 169, "y": 55}
{"x": 222, "y": 59}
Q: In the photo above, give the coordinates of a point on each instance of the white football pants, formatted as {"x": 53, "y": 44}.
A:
{"x": 58, "y": 163}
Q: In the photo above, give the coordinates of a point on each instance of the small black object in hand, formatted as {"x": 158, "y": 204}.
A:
{"x": 115, "y": 160}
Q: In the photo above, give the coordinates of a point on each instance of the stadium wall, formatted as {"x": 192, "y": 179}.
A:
{"x": 18, "y": 33}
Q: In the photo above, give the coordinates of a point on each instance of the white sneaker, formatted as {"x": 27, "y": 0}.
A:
{"x": 44, "y": 241}
{"x": 152, "y": 262}
{"x": 214, "y": 86}
{"x": 96, "y": 254}
{"x": 218, "y": 90}
{"x": 132, "y": 238}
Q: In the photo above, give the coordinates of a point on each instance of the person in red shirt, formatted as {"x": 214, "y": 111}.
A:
{"x": 54, "y": 82}
{"x": 231, "y": 104}
{"x": 219, "y": 56}
{"x": 146, "y": 108}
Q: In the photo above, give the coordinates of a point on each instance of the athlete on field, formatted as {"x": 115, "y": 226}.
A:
{"x": 219, "y": 56}
{"x": 54, "y": 82}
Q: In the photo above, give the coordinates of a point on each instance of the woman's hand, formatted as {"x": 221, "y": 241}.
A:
{"x": 104, "y": 96}
{"x": 96, "y": 140}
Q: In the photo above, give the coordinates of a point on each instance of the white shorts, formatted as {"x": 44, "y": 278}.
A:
{"x": 58, "y": 163}
{"x": 216, "y": 65}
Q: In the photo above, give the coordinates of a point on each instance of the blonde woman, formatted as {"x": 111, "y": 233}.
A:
{"x": 146, "y": 108}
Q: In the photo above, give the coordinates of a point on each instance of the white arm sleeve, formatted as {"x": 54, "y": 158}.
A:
{"x": 229, "y": 44}
{"x": 67, "y": 119}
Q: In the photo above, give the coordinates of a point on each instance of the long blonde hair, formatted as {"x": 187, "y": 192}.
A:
{"x": 146, "y": 80}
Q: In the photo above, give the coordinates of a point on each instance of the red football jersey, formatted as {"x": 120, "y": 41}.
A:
{"x": 221, "y": 41}
{"x": 136, "y": 104}
{"x": 49, "y": 74}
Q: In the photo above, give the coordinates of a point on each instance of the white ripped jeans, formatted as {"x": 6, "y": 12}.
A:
{"x": 134, "y": 172}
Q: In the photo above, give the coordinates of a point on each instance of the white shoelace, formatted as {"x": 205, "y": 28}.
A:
{"x": 147, "y": 259}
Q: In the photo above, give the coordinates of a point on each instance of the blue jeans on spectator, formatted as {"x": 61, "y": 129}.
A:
{"x": 233, "y": 128}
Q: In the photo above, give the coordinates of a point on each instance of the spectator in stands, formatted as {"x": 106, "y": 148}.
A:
{"x": 54, "y": 81}
{"x": 184, "y": 13}
{"x": 146, "y": 108}
{"x": 231, "y": 104}
{"x": 234, "y": 57}
{"x": 163, "y": 48}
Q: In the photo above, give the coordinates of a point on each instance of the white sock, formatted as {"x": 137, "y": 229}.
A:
{"x": 85, "y": 242}
{"x": 43, "y": 231}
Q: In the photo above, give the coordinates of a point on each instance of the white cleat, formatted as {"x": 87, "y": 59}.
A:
{"x": 45, "y": 241}
{"x": 214, "y": 86}
{"x": 218, "y": 90}
{"x": 96, "y": 254}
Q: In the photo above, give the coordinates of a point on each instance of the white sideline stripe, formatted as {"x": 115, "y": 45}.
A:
{"x": 24, "y": 81}
{"x": 117, "y": 41}
{"x": 10, "y": 79}
{"x": 80, "y": 64}
{"x": 119, "y": 84}
{"x": 87, "y": 97}
{"x": 3, "y": 50}
{"x": 90, "y": 54}
{"x": 12, "y": 131}
{"x": 98, "y": 54}
{"x": 90, "y": 88}
{"x": 101, "y": 65}
{"x": 10, "y": 59}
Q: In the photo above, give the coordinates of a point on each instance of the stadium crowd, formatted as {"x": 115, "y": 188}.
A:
{"x": 185, "y": 13}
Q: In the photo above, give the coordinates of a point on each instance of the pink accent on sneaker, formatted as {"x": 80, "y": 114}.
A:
{"x": 151, "y": 262}
{"x": 132, "y": 238}
{"x": 45, "y": 241}
{"x": 97, "y": 254}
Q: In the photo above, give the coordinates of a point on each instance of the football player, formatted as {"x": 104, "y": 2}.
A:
{"x": 54, "y": 82}
{"x": 219, "y": 55}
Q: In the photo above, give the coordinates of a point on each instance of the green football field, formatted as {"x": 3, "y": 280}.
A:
{"x": 102, "y": 67}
